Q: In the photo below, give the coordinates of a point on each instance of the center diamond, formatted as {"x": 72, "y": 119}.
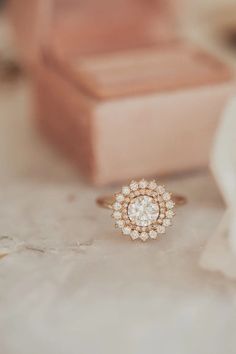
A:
{"x": 143, "y": 211}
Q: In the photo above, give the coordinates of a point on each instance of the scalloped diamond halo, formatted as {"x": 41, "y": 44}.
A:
{"x": 143, "y": 209}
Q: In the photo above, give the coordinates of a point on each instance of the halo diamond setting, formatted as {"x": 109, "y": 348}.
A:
{"x": 143, "y": 210}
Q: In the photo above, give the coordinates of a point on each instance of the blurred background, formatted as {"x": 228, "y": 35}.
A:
{"x": 106, "y": 76}
{"x": 93, "y": 94}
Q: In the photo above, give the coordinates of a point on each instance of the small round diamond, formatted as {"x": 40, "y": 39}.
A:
{"x": 170, "y": 214}
{"x": 152, "y": 185}
{"x": 120, "y": 198}
{"x": 166, "y": 222}
{"x": 161, "y": 229}
{"x": 143, "y": 211}
{"x": 134, "y": 234}
{"x": 125, "y": 190}
{"x": 166, "y": 196}
{"x": 133, "y": 186}
{"x": 126, "y": 230}
{"x": 117, "y": 206}
{"x": 170, "y": 204}
{"x": 143, "y": 184}
{"x": 153, "y": 234}
{"x": 161, "y": 189}
{"x": 117, "y": 215}
{"x": 143, "y": 236}
{"x": 120, "y": 223}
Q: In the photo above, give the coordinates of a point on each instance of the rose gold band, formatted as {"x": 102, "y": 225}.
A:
{"x": 107, "y": 201}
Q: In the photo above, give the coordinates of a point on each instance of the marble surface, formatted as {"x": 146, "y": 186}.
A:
{"x": 71, "y": 284}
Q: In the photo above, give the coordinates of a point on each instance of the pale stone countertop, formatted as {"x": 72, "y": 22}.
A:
{"x": 71, "y": 284}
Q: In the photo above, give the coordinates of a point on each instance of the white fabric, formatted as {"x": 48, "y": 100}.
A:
{"x": 220, "y": 252}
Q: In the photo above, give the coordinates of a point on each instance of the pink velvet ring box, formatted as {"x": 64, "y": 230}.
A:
{"x": 122, "y": 96}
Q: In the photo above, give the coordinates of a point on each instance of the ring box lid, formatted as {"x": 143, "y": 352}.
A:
{"x": 90, "y": 26}
{"x": 111, "y": 49}
{"x": 115, "y": 48}
{"x": 166, "y": 67}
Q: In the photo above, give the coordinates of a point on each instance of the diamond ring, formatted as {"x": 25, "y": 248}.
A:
{"x": 143, "y": 209}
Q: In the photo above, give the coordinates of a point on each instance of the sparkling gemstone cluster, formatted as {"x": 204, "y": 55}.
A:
{"x": 143, "y": 210}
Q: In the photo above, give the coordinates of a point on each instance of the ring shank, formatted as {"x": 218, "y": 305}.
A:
{"x": 107, "y": 201}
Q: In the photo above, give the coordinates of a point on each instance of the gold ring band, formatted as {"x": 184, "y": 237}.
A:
{"x": 107, "y": 202}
